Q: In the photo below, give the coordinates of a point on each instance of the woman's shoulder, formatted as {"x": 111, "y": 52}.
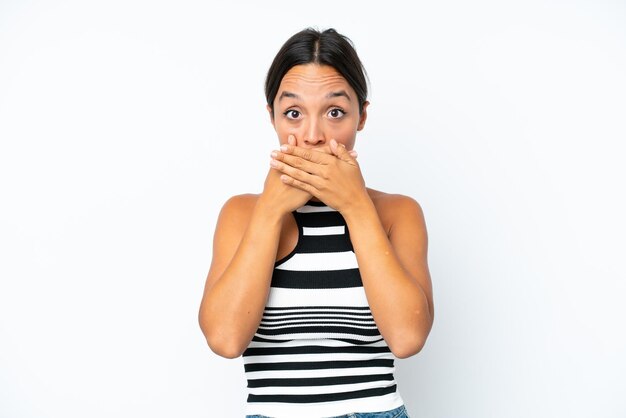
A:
{"x": 389, "y": 201}
{"x": 234, "y": 209}
{"x": 394, "y": 207}
{"x": 240, "y": 203}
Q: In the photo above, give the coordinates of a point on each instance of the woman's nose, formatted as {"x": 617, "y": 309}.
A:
{"x": 313, "y": 134}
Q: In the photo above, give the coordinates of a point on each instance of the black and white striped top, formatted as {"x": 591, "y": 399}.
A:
{"x": 317, "y": 352}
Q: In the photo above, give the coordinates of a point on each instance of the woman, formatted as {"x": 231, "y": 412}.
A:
{"x": 319, "y": 281}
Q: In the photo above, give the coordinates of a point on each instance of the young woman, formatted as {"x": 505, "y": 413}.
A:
{"x": 318, "y": 281}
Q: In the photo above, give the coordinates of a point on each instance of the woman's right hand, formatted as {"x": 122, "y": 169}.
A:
{"x": 283, "y": 197}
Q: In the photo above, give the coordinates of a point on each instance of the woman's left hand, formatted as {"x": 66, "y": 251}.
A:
{"x": 335, "y": 178}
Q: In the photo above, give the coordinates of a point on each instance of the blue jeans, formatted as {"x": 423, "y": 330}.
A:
{"x": 399, "y": 412}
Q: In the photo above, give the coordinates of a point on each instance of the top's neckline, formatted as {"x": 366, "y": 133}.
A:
{"x": 315, "y": 203}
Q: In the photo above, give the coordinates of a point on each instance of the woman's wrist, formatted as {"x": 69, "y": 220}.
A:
{"x": 358, "y": 207}
{"x": 268, "y": 210}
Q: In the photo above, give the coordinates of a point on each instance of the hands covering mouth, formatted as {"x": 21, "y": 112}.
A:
{"x": 330, "y": 173}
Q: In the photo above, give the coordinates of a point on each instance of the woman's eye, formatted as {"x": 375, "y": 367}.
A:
{"x": 292, "y": 114}
{"x": 336, "y": 113}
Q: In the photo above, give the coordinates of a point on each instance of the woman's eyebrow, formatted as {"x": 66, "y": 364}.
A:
{"x": 289, "y": 94}
{"x": 338, "y": 94}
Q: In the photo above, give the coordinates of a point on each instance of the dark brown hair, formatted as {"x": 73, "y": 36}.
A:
{"x": 325, "y": 48}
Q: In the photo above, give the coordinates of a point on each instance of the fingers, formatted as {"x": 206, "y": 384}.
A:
{"x": 297, "y": 177}
{"x": 314, "y": 155}
{"x": 296, "y": 167}
{"x": 299, "y": 184}
{"x": 308, "y": 154}
{"x": 309, "y": 160}
{"x": 341, "y": 152}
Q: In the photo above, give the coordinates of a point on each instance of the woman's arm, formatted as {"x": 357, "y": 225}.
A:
{"x": 244, "y": 252}
{"x": 394, "y": 271}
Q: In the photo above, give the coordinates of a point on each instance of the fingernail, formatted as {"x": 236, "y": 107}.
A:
{"x": 274, "y": 154}
{"x": 284, "y": 147}
{"x": 354, "y": 153}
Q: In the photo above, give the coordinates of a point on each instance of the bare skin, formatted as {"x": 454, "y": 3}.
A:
{"x": 316, "y": 117}
{"x": 383, "y": 202}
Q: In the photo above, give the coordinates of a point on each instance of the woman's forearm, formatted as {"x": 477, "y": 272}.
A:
{"x": 398, "y": 303}
{"x": 233, "y": 307}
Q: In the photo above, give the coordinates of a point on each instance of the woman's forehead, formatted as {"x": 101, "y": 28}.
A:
{"x": 314, "y": 79}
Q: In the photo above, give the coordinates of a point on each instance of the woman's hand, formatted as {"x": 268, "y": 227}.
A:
{"x": 335, "y": 178}
{"x": 280, "y": 195}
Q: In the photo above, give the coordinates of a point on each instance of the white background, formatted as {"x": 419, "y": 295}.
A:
{"x": 125, "y": 125}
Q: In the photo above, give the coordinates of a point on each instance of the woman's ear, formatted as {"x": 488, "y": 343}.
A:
{"x": 363, "y": 116}
{"x": 269, "y": 109}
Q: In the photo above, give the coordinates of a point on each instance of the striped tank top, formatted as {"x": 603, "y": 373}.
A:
{"x": 317, "y": 351}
